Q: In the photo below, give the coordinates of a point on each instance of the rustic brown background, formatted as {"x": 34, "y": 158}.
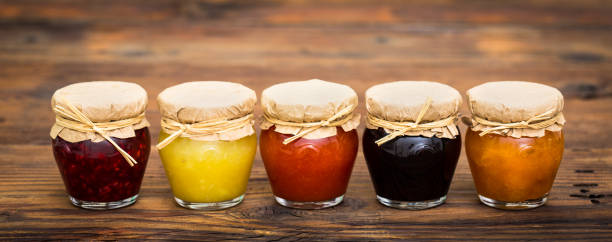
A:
{"x": 45, "y": 45}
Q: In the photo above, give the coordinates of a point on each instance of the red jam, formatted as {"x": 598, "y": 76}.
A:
{"x": 309, "y": 170}
{"x": 97, "y": 172}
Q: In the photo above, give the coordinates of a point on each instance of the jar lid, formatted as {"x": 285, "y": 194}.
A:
{"x": 198, "y": 101}
{"x": 403, "y": 101}
{"x": 207, "y": 110}
{"x": 103, "y": 101}
{"x": 306, "y": 102}
{"x": 511, "y": 102}
{"x": 113, "y": 106}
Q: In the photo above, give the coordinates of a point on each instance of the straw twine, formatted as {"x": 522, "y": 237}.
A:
{"x": 72, "y": 118}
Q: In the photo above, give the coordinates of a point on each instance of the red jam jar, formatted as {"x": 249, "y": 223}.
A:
{"x": 308, "y": 142}
{"x": 101, "y": 142}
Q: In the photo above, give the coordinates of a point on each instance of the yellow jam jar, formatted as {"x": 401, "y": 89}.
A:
{"x": 207, "y": 142}
{"x": 515, "y": 143}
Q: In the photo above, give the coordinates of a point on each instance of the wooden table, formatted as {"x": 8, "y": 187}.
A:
{"x": 45, "y": 45}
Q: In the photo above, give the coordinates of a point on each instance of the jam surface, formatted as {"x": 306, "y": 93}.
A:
{"x": 208, "y": 171}
{"x": 514, "y": 169}
{"x": 411, "y": 168}
{"x": 309, "y": 170}
{"x": 97, "y": 172}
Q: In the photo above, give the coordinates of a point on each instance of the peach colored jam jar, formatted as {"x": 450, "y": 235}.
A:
{"x": 515, "y": 142}
{"x": 411, "y": 142}
{"x": 101, "y": 142}
{"x": 308, "y": 142}
{"x": 207, "y": 142}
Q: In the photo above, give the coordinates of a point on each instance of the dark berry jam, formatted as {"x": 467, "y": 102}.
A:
{"x": 411, "y": 168}
{"x": 97, "y": 172}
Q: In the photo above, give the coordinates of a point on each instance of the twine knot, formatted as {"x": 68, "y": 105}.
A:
{"x": 400, "y": 128}
{"x": 338, "y": 119}
{"x": 177, "y": 129}
{"x": 72, "y": 118}
{"x": 537, "y": 122}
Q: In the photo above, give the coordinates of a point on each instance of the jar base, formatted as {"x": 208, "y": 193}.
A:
{"x": 309, "y": 205}
{"x": 420, "y": 205}
{"x": 209, "y": 206}
{"x": 103, "y": 205}
{"x": 529, "y": 204}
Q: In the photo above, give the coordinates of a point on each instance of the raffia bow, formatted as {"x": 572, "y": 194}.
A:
{"x": 537, "y": 122}
{"x": 208, "y": 127}
{"x": 338, "y": 119}
{"x": 401, "y": 128}
{"x": 72, "y": 118}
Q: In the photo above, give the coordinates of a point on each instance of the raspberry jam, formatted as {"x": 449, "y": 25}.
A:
{"x": 96, "y": 172}
{"x": 309, "y": 173}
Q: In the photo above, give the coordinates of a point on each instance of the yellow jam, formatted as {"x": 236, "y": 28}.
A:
{"x": 208, "y": 171}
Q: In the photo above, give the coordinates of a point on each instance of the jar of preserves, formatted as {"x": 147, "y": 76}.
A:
{"x": 411, "y": 142}
{"x": 515, "y": 142}
{"x": 207, "y": 142}
{"x": 101, "y": 142}
{"x": 308, "y": 142}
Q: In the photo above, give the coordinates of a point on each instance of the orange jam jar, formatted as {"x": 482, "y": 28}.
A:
{"x": 308, "y": 142}
{"x": 515, "y": 143}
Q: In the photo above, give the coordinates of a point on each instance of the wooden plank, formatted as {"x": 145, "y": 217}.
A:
{"x": 32, "y": 194}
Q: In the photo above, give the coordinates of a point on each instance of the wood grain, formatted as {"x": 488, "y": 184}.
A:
{"x": 45, "y": 45}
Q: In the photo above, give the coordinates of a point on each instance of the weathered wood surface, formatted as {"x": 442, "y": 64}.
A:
{"x": 45, "y": 45}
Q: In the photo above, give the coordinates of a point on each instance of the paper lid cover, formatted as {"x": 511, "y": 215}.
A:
{"x": 513, "y": 101}
{"x": 308, "y": 101}
{"x": 103, "y": 101}
{"x": 506, "y": 103}
{"x": 198, "y": 101}
{"x": 403, "y": 100}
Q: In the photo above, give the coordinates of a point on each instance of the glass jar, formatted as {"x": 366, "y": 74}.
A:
{"x": 411, "y": 143}
{"x": 411, "y": 172}
{"x": 309, "y": 173}
{"x": 515, "y": 142}
{"x": 208, "y": 174}
{"x": 207, "y": 142}
{"x": 309, "y": 141}
{"x": 101, "y": 142}
{"x": 97, "y": 176}
{"x": 514, "y": 173}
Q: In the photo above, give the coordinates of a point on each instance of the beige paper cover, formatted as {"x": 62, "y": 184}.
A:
{"x": 200, "y": 101}
{"x": 101, "y": 101}
{"x": 402, "y": 101}
{"x": 515, "y": 101}
{"x": 308, "y": 101}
